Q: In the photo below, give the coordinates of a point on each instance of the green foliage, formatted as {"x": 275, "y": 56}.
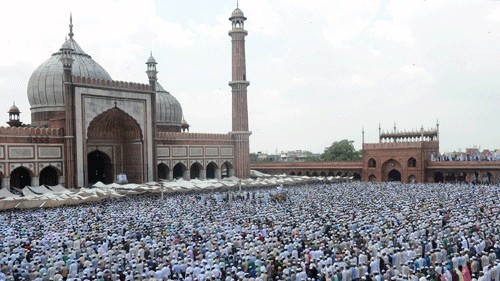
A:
{"x": 341, "y": 151}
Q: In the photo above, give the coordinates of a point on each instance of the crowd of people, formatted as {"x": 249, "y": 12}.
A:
{"x": 342, "y": 232}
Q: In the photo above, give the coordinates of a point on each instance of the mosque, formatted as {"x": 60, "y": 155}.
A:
{"x": 87, "y": 127}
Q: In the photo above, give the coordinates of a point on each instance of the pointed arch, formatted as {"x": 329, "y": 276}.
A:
{"x": 163, "y": 171}
{"x": 179, "y": 170}
{"x": 195, "y": 170}
{"x": 412, "y": 162}
{"x": 20, "y": 177}
{"x": 49, "y": 176}
{"x": 211, "y": 170}
{"x": 372, "y": 178}
{"x": 227, "y": 170}
{"x": 372, "y": 163}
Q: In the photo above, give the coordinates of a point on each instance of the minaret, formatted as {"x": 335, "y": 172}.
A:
{"x": 69, "y": 104}
{"x": 14, "y": 120}
{"x": 153, "y": 78}
{"x": 239, "y": 86}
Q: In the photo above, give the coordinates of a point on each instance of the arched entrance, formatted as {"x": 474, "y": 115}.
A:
{"x": 356, "y": 177}
{"x": 391, "y": 170}
{"x": 412, "y": 179}
{"x": 227, "y": 170}
{"x": 20, "y": 177}
{"x": 372, "y": 178}
{"x": 438, "y": 177}
{"x": 450, "y": 177}
{"x": 49, "y": 176}
{"x": 179, "y": 170}
{"x": 211, "y": 168}
{"x": 99, "y": 168}
{"x": 194, "y": 171}
{"x": 163, "y": 171}
{"x": 117, "y": 133}
{"x": 394, "y": 175}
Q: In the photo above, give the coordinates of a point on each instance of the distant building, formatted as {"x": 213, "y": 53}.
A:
{"x": 405, "y": 156}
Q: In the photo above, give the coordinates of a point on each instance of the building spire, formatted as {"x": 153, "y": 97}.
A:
{"x": 237, "y": 4}
{"x": 71, "y": 26}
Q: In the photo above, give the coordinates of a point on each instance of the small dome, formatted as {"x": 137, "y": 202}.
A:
{"x": 168, "y": 109}
{"x": 14, "y": 109}
{"x": 45, "y": 87}
{"x": 66, "y": 45}
{"x": 237, "y": 13}
{"x": 151, "y": 60}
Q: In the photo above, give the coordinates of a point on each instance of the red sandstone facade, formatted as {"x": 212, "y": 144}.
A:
{"x": 398, "y": 156}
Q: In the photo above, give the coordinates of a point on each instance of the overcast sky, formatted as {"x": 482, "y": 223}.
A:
{"x": 319, "y": 71}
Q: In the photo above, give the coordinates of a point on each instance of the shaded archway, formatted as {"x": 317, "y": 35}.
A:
{"x": 372, "y": 178}
{"x": 372, "y": 163}
{"x": 122, "y": 136}
{"x": 450, "y": 177}
{"x": 462, "y": 177}
{"x": 20, "y": 177}
{"x": 179, "y": 170}
{"x": 49, "y": 176}
{"x": 438, "y": 177}
{"x": 412, "y": 179}
{"x": 412, "y": 162}
{"x": 323, "y": 174}
{"x": 292, "y": 173}
{"x": 299, "y": 173}
{"x": 211, "y": 169}
{"x": 315, "y": 174}
{"x": 99, "y": 167}
{"x": 163, "y": 171}
{"x": 394, "y": 175}
{"x": 356, "y": 177}
{"x": 194, "y": 171}
{"x": 391, "y": 170}
{"x": 227, "y": 170}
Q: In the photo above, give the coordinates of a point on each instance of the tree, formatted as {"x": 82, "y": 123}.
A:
{"x": 341, "y": 151}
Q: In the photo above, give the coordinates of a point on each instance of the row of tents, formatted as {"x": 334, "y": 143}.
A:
{"x": 54, "y": 196}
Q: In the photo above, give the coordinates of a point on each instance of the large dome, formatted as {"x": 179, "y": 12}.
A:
{"x": 45, "y": 87}
{"x": 168, "y": 110}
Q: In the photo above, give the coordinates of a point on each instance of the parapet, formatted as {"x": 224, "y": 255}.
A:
{"x": 31, "y": 131}
{"x": 171, "y": 136}
{"x": 79, "y": 80}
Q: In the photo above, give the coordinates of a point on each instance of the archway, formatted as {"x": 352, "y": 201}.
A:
{"x": 20, "y": 177}
{"x": 315, "y": 174}
{"x": 450, "y": 177}
{"x": 99, "y": 167}
{"x": 372, "y": 163}
{"x": 438, "y": 177}
{"x": 323, "y": 174}
{"x": 391, "y": 170}
{"x": 372, "y": 178}
{"x": 292, "y": 173}
{"x": 462, "y": 177}
{"x": 194, "y": 171}
{"x": 163, "y": 171}
{"x": 394, "y": 175}
{"x": 49, "y": 176}
{"x": 211, "y": 168}
{"x": 412, "y": 179}
{"x": 356, "y": 177}
{"x": 122, "y": 137}
{"x": 299, "y": 173}
{"x": 412, "y": 162}
{"x": 179, "y": 170}
{"x": 226, "y": 170}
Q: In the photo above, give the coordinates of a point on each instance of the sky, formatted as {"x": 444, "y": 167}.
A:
{"x": 320, "y": 71}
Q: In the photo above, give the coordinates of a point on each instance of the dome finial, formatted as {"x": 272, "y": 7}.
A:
{"x": 237, "y": 4}
{"x": 71, "y": 26}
